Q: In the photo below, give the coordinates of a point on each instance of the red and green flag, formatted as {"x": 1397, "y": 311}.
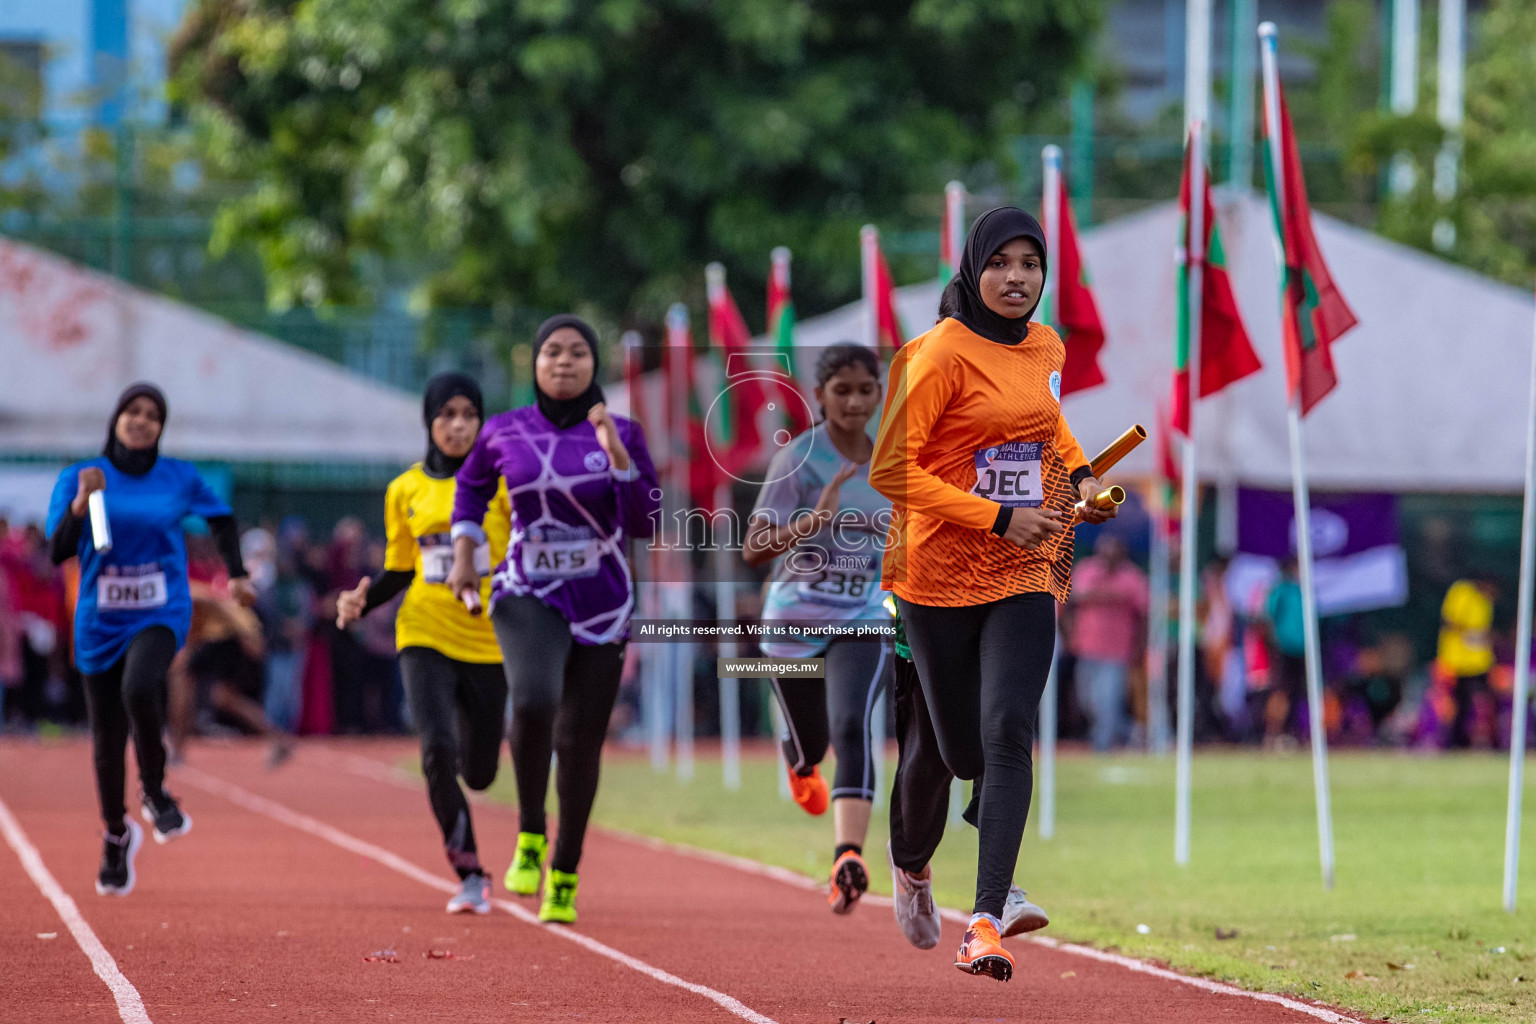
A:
{"x": 880, "y": 293}
{"x": 1076, "y": 313}
{"x": 781, "y": 307}
{"x": 1313, "y": 312}
{"x": 737, "y": 442}
{"x": 952, "y": 231}
{"x": 1226, "y": 354}
{"x": 795, "y": 414}
{"x": 688, "y": 460}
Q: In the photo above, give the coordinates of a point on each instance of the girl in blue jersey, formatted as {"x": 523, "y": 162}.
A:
{"x": 818, "y": 515}
{"x": 135, "y": 609}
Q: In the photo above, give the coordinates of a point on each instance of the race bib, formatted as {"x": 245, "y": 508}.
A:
{"x": 847, "y": 582}
{"x": 1009, "y": 474}
{"x": 437, "y": 557}
{"x": 554, "y": 553}
{"x": 135, "y": 593}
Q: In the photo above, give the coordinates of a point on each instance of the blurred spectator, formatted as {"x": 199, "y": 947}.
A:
{"x": 380, "y": 694}
{"x": 1285, "y": 621}
{"x": 10, "y": 633}
{"x": 1109, "y": 601}
{"x": 284, "y": 602}
{"x": 47, "y": 688}
{"x": 216, "y": 678}
{"x": 1465, "y": 652}
{"x": 1221, "y": 640}
{"x": 1381, "y": 676}
{"x": 345, "y": 566}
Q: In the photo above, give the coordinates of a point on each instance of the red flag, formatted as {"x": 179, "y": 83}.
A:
{"x": 1313, "y": 313}
{"x": 793, "y": 411}
{"x": 688, "y": 461}
{"x": 742, "y": 392}
{"x": 1226, "y": 354}
{"x": 1076, "y": 313}
{"x": 880, "y": 289}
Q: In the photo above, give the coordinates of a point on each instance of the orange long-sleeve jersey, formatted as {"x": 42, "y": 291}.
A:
{"x": 970, "y": 425}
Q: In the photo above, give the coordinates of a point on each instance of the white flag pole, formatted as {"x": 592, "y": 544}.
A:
{"x": 730, "y": 688}
{"x": 1197, "y": 105}
{"x": 725, "y": 596}
{"x": 1404, "y": 93}
{"x": 1157, "y": 618}
{"x": 1267, "y": 33}
{"x": 1049, "y": 702}
{"x": 1448, "y": 111}
{"x": 869, "y": 245}
{"x": 953, "y": 242}
{"x": 673, "y": 591}
{"x": 653, "y": 665}
{"x": 1522, "y": 659}
{"x": 681, "y": 605}
{"x": 1050, "y": 208}
{"x": 1189, "y": 511}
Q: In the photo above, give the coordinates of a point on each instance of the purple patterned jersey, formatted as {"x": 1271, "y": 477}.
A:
{"x": 571, "y": 516}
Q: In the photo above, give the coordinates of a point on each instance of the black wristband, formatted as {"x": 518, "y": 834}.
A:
{"x": 1080, "y": 474}
{"x": 1004, "y": 517}
{"x": 65, "y": 542}
{"x": 226, "y": 537}
{"x": 383, "y": 590}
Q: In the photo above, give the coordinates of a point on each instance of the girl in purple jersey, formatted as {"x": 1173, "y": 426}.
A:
{"x": 581, "y": 484}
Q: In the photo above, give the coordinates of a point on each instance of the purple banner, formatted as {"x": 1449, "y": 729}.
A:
{"x": 1342, "y": 524}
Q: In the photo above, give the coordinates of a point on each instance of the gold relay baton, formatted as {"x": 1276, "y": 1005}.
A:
{"x": 1110, "y": 497}
{"x": 1118, "y": 449}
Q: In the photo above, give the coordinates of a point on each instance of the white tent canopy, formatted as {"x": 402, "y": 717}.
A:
{"x": 1433, "y": 383}
{"x": 71, "y": 339}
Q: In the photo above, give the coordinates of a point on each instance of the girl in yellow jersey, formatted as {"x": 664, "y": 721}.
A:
{"x": 974, "y": 451}
{"x": 449, "y": 660}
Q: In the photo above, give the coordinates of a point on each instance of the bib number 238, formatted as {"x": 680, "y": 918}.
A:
{"x": 1009, "y": 474}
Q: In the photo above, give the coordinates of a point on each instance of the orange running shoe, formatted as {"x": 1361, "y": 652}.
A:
{"x": 982, "y": 951}
{"x": 850, "y": 880}
{"x": 810, "y": 791}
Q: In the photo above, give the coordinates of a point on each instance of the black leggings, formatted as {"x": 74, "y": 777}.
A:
{"x": 130, "y": 696}
{"x": 838, "y": 710}
{"x": 460, "y": 711}
{"x": 562, "y": 696}
{"x": 981, "y": 671}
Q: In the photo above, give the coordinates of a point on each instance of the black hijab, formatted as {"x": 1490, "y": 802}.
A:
{"x": 440, "y": 389}
{"x": 566, "y": 412}
{"x": 134, "y": 461}
{"x": 993, "y": 230}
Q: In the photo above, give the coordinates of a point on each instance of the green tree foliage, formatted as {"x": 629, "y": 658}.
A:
{"x": 1494, "y": 210}
{"x": 20, "y": 129}
{"x": 594, "y": 154}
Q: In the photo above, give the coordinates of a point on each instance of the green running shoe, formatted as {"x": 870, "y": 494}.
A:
{"x": 559, "y": 898}
{"x": 527, "y": 864}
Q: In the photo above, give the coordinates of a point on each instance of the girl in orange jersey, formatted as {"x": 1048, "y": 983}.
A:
{"x": 974, "y": 448}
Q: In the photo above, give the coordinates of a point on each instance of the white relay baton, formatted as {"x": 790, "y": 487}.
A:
{"x": 101, "y": 530}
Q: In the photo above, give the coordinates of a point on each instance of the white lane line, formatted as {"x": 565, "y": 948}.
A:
{"x": 130, "y": 1007}
{"x": 304, "y": 823}
{"x": 369, "y": 768}
{"x": 960, "y": 917}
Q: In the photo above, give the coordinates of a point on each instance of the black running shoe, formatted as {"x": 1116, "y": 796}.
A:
{"x": 850, "y": 880}
{"x": 162, "y": 812}
{"x": 117, "y": 852}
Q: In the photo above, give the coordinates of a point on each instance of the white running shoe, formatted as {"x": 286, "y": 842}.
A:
{"x": 912, "y": 900}
{"x": 473, "y": 897}
{"x": 1020, "y": 915}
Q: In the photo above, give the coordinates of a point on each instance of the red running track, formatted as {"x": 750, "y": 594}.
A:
{"x": 265, "y": 911}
